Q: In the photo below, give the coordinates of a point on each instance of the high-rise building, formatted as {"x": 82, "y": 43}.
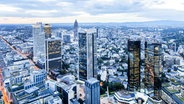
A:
{"x": 66, "y": 38}
{"x": 47, "y": 30}
{"x": 92, "y": 91}
{"x": 75, "y": 29}
{"x": 53, "y": 54}
{"x": 153, "y": 68}
{"x": 134, "y": 65}
{"x": 38, "y": 41}
{"x": 87, "y": 54}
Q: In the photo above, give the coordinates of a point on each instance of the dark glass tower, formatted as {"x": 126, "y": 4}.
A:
{"x": 87, "y": 55}
{"x": 153, "y": 68}
{"x": 82, "y": 56}
{"x": 47, "y": 30}
{"x": 134, "y": 65}
{"x": 53, "y": 54}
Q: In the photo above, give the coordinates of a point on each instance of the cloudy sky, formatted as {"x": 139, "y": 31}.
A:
{"x": 66, "y": 11}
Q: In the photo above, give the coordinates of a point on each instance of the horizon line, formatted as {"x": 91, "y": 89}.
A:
{"x": 92, "y": 22}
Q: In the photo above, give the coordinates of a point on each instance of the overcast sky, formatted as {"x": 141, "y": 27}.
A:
{"x": 66, "y": 11}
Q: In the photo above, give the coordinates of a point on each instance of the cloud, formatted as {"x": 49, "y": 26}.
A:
{"x": 117, "y": 10}
{"x": 6, "y": 8}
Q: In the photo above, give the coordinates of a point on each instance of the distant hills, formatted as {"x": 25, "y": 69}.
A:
{"x": 156, "y": 23}
{"x": 161, "y": 23}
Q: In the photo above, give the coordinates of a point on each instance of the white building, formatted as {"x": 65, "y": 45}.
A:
{"x": 38, "y": 41}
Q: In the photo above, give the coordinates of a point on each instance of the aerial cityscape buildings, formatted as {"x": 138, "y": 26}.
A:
{"x": 91, "y": 63}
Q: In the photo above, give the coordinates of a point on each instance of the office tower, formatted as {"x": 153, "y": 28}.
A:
{"x": 38, "y": 41}
{"x": 92, "y": 91}
{"x": 75, "y": 29}
{"x": 134, "y": 65}
{"x": 47, "y": 30}
{"x": 66, "y": 39}
{"x": 86, "y": 55}
{"x": 153, "y": 68}
{"x": 53, "y": 54}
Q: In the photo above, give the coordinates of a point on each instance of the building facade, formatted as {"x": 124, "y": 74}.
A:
{"x": 87, "y": 55}
{"x": 47, "y": 30}
{"x": 38, "y": 41}
{"x": 53, "y": 54}
{"x": 134, "y": 48}
{"x": 153, "y": 68}
{"x": 92, "y": 91}
{"x": 75, "y": 29}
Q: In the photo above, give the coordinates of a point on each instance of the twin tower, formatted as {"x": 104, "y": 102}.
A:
{"x": 152, "y": 64}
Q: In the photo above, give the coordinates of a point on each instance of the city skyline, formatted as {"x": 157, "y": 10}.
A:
{"x": 88, "y": 11}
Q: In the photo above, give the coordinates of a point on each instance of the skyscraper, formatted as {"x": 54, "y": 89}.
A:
{"x": 47, "y": 50}
{"x": 153, "y": 68}
{"x": 92, "y": 91}
{"x": 75, "y": 29}
{"x": 38, "y": 41}
{"x": 86, "y": 55}
{"x": 47, "y": 30}
{"x": 53, "y": 54}
{"x": 134, "y": 65}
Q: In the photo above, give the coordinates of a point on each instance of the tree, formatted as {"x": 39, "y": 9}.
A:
{"x": 168, "y": 70}
{"x": 81, "y": 101}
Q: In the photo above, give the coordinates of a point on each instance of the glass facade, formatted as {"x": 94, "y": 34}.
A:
{"x": 54, "y": 64}
{"x": 54, "y": 49}
{"x": 134, "y": 65}
{"x": 47, "y": 30}
{"x": 87, "y": 55}
{"x": 92, "y": 91}
{"x": 82, "y": 56}
{"x": 39, "y": 41}
{"x": 153, "y": 68}
{"x": 53, "y": 54}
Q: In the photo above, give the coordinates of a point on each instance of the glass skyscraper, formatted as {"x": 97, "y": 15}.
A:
{"x": 87, "y": 54}
{"x": 53, "y": 54}
{"x": 47, "y": 30}
{"x": 153, "y": 68}
{"x": 38, "y": 41}
{"x": 92, "y": 91}
{"x": 134, "y": 65}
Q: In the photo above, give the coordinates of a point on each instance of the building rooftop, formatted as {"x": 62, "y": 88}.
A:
{"x": 92, "y": 81}
{"x": 32, "y": 89}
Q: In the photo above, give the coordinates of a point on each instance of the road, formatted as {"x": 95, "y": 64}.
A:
{"x": 18, "y": 52}
{"x": 6, "y": 99}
